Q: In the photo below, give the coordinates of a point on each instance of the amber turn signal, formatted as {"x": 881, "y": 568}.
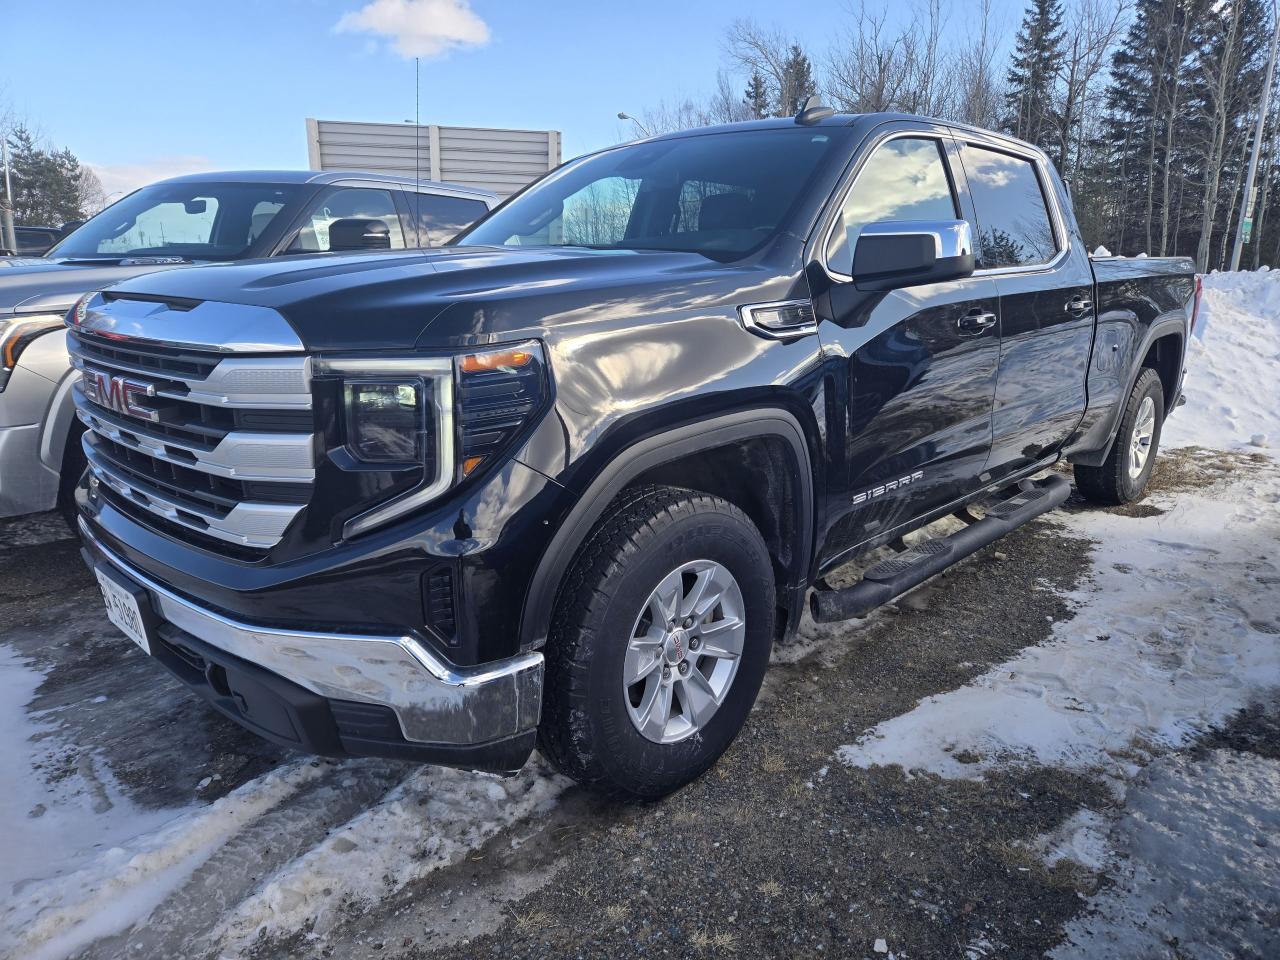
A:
{"x": 497, "y": 360}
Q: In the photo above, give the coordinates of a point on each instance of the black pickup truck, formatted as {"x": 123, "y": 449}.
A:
{"x": 565, "y": 482}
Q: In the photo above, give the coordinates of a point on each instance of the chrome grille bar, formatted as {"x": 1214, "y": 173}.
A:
{"x": 171, "y": 424}
{"x": 259, "y": 525}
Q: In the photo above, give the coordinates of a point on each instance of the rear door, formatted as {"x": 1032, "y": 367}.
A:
{"x": 1026, "y": 245}
{"x": 911, "y": 375}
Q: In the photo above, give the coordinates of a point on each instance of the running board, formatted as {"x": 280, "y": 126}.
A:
{"x": 896, "y": 575}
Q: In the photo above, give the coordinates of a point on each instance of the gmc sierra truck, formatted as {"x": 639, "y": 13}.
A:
{"x": 566, "y": 481}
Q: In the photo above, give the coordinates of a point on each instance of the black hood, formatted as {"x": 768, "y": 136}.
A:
{"x": 455, "y": 295}
{"x": 53, "y": 284}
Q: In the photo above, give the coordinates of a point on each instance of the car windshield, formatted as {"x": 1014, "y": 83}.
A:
{"x": 198, "y": 221}
{"x": 722, "y": 195}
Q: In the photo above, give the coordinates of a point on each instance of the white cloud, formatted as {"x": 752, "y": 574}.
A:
{"x": 419, "y": 28}
{"x": 120, "y": 178}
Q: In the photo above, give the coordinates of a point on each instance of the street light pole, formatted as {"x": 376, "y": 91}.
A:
{"x": 8, "y": 239}
{"x": 1246, "y": 209}
{"x": 640, "y": 126}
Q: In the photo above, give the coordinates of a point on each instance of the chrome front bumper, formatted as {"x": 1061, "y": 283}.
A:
{"x": 435, "y": 701}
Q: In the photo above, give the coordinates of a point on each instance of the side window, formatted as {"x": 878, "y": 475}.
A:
{"x": 340, "y": 203}
{"x": 1014, "y": 228}
{"x": 442, "y": 218}
{"x": 905, "y": 179}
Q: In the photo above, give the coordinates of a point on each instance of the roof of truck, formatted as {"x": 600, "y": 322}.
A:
{"x": 319, "y": 176}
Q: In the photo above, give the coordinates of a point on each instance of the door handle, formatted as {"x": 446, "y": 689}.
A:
{"x": 1079, "y": 305}
{"x": 975, "y": 321}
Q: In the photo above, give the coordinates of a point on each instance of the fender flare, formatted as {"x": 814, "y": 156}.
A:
{"x": 58, "y": 418}
{"x": 642, "y": 456}
{"x": 1175, "y": 323}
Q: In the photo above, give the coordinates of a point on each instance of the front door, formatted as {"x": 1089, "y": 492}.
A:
{"x": 912, "y": 372}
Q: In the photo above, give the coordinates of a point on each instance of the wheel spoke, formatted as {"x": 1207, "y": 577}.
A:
{"x": 722, "y": 639}
{"x": 697, "y": 698}
{"x": 641, "y": 659}
{"x": 655, "y": 709}
{"x": 704, "y": 596}
{"x": 665, "y": 602}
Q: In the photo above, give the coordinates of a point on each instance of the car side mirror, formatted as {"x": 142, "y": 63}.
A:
{"x": 905, "y": 253}
{"x": 357, "y": 233}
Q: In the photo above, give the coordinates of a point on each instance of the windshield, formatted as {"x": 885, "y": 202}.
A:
{"x": 721, "y": 195}
{"x": 198, "y": 221}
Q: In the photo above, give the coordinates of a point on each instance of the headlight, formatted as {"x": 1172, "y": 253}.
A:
{"x": 447, "y": 416}
{"x": 17, "y": 334}
{"x": 385, "y": 420}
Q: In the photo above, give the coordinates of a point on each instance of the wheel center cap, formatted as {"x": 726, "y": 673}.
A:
{"x": 676, "y": 646}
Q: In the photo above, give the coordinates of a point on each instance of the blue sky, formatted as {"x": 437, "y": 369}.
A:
{"x": 142, "y": 89}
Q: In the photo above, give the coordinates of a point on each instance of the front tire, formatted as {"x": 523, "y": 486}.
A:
{"x": 1123, "y": 476}
{"x": 659, "y": 643}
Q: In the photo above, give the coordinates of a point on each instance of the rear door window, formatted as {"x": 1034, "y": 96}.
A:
{"x": 1014, "y": 226}
{"x": 341, "y": 203}
{"x": 905, "y": 179}
{"x": 440, "y": 218}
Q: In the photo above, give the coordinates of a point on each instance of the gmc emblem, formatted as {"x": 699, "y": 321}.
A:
{"x": 120, "y": 394}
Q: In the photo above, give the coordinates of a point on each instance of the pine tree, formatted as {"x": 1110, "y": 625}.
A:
{"x": 757, "y": 96}
{"x": 46, "y": 184}
{"x": 1030, "y": 112}
{"x": 797, "y": 82}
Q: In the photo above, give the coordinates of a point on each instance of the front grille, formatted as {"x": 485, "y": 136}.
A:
{"x": 216, "y": 444}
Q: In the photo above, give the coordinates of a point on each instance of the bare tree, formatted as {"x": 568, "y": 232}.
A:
{"x": 770, "y": 53}
{"x": 980, "y": 95}
{"x": 873, "y": 68}
{"x": 1218, "y": 69}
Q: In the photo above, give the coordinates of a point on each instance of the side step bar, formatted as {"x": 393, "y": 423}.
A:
{"x": 896, "y": 575}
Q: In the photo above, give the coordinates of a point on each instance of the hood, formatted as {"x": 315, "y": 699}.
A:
{"x": 53, "y": 285}
{"x": 452, "y": 296}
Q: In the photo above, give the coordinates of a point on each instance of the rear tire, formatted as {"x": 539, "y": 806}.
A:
{"x": 1123, "y": 476}
{"x": 660, "y": 568}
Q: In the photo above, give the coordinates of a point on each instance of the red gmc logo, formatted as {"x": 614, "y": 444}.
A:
{"x": 120, "y": 394}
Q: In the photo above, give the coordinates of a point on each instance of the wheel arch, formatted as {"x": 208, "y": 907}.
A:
{"x": 698, "y": 456}
{"x": 1164, "y": 344}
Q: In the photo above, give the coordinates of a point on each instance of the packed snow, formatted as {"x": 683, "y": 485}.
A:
{"x": 1233, "y": 367}
{"x": 1175, "y": 632}
{"x": 432, "y": 819}
{"x": 1198, "y": 854}
{"x": 65, "y": 821}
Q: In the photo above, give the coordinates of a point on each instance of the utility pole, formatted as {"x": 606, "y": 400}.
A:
{"x": 1245, "y": 226}
{"x": 8, "y": 239}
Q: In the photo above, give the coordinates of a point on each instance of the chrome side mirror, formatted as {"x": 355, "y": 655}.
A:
{"x": 905, "y": 253}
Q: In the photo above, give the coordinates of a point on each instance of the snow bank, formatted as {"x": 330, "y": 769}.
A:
{"x": 1233, "y": 367}
{"x": 431, "y": 820}
{"x": 1175, "y": 633}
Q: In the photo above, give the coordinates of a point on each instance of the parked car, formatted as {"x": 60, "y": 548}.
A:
{"x": 33, "y": 241}
{"x": 568, "y": 480}
{"x": 200, "y": 219}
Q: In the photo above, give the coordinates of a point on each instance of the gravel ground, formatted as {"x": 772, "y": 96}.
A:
{"x": 779, "y": 851}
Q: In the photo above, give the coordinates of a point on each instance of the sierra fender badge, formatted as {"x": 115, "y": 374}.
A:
{"x": 887, "y": 488}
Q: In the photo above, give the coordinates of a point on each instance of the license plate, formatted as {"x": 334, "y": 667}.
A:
{"x": 122, "y": 610}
